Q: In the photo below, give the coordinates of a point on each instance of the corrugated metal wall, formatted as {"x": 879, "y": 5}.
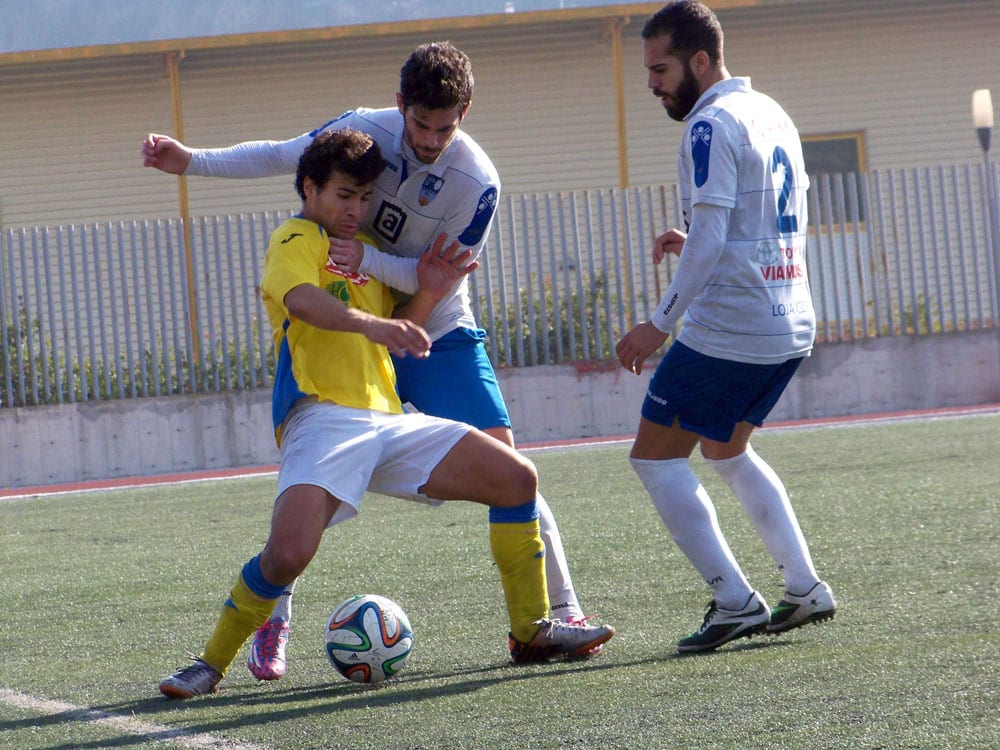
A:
{"x": 545, "y": 106}
{"x": 902, "y": 72}
{"x": 70, "y": 136}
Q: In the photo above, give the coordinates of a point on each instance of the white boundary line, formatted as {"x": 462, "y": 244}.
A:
{"x": 263, "y": 471}
{"x": 139, "y": 483}
{"x": 129, "y": 725}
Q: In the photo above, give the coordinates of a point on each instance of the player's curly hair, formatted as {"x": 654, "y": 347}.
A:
{"x": 437, "y": 76}
{"x": 692, "y": 27}
{"x": 347, "y": 151}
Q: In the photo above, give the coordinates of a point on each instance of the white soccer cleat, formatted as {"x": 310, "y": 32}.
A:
{"x": 794, "y": 611}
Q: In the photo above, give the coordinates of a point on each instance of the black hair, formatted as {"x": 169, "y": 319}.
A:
{"x": 437, "y": 76}
{"x": 692, "y": 27}
{"x": 349, "y": 152}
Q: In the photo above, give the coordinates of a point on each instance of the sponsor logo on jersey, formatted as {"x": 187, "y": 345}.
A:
{"x": 341, "y": 289}
{"x": 389, "y": 221}
{"x": 482, "y": 218}
{"x": 782, "y": 273}
{"x": 430, "y": 188}
{"x": 291, "y": 237}
{"x": 701, "y": 149}
{"x": 778, "y": 263}
{"x": 783, "y": 310}
{"x": 768, "y": 253}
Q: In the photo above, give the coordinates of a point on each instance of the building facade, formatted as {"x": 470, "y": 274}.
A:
{"x": 561, "y": 100}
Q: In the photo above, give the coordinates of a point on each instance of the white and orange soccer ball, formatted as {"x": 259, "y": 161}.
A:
{"x": 368, "y": 638}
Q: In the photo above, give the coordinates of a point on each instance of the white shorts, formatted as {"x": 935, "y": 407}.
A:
{"x": 347, "y": 451}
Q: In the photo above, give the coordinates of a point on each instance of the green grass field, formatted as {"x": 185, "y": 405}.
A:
{"x": 104, "y": 592}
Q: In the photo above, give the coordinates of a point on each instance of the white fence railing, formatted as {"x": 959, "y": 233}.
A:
{"x": 129, "y": 309}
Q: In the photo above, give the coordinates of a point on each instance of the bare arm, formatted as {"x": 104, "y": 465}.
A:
{"x": 314, "y": 306}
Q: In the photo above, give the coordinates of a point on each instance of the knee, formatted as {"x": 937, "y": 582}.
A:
{"x": 522, "y": 481}
{"x": 527, "y": 482}
{"x": 282, "y": 564}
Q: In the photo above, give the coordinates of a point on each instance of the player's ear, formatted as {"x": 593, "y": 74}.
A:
{"x": 700, "y": 62}
{"x": 399, "y": 103}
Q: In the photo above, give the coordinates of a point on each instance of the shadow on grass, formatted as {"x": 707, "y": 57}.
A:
{"x": 270, "y": 706}
{"x": 749, "y": 644}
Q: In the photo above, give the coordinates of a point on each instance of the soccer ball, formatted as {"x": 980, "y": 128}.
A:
{"x": 368, "y": 638}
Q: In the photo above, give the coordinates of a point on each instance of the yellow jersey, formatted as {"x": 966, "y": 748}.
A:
{"x": 345, "y": 368}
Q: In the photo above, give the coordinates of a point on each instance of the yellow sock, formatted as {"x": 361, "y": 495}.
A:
{"x": 520, "y": 557}
{"x": 242, "y": 614}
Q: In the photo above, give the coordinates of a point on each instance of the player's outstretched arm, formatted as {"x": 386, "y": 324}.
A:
{"x": 241, "y": 160}
{"x": 396, "y": 271}
{"x": 165, "y": 153}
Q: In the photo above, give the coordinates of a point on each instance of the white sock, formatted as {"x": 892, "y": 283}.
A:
{"x": 563, "y": 603}
{"x": 763, "y": 497}
{"x": 689, "y": 515}
{"x": 283, "y": 607}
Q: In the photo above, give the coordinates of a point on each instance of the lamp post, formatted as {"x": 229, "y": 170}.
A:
{"x": 982, "y": 118}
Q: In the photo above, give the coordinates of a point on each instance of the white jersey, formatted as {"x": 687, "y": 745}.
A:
{"x": 742, "y": 152}
{"x": 413, "y": 202}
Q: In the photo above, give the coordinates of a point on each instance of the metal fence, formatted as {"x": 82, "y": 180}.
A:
{"x": 130, "y": 309}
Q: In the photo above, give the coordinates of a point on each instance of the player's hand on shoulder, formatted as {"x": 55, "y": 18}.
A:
{"x": 165, "y": 153}
{"x": 670, "y": 242}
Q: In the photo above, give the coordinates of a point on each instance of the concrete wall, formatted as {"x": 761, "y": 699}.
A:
{"x": 77, "y": 442}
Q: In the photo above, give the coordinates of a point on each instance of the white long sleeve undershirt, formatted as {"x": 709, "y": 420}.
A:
{"x": 702, "y": 251}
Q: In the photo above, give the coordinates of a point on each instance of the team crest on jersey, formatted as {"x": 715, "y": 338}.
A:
{"x": 430, "y": 188}
{"x": 701, "y": 148}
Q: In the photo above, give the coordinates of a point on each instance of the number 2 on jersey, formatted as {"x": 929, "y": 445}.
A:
{"x": 789, "y": 223}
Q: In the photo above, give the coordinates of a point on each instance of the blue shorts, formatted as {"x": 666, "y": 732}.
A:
{"x": 456, "y": 381}
{"x": 710, "y": 396}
